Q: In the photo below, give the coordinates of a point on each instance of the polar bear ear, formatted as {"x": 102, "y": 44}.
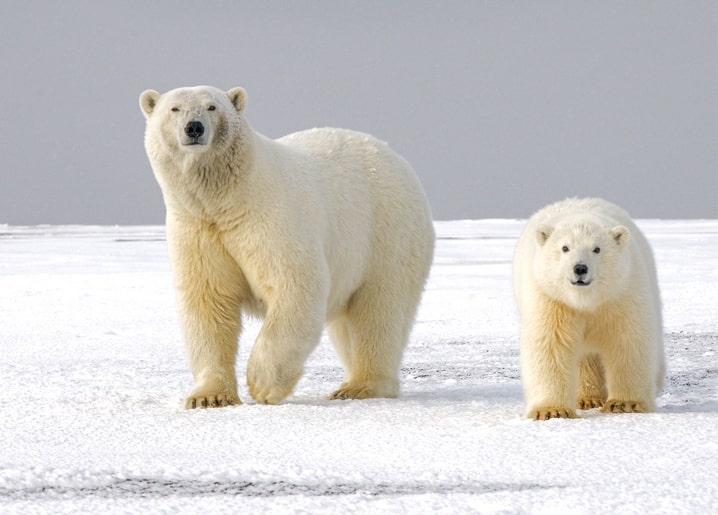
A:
{"x": 621, "y": 234}
{"x": 238, "y": 97}
{"x": 543, "y": 233}
{"x": 148, "y": 101}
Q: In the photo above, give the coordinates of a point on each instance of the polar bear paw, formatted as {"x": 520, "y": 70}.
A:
{"x": 271, "y": 384}
{"x": 619, "y": 406}
{"x": 268, "y": 393}
{"x": 211, "y": 400}
{"x": 547, "y": 413}
{"x": 364, "y": 390}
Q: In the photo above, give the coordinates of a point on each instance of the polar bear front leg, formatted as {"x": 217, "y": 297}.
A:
{"x": 550, "y": 391}
{"x": 211, "y": 342}
{"x": 549, "y": 371}
{"x": 628, "y": 352}
{"x": 630, "y": 380}
{"x": 208, "y": 284}
{"x": 277, "y": 359}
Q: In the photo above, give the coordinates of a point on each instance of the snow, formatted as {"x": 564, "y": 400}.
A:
{"x": 93, "y": 374}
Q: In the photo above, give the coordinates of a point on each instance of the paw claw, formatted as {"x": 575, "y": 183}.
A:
{"x": 217, "y": 400}
{"x": 549, "y": 413}
{"x": 589, "y": 403}
{"x": 352, "y": 391}
{"x": 344, "y": 394}
{"x": 618, "y": 406}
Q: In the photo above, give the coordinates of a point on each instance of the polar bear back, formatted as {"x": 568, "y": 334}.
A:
{"x": 364, "y": 161}
{"x": 352, "y": 170}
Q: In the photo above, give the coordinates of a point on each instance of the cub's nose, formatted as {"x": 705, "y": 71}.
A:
{"x": 194, "y": 129}
{"x": 580, "y": 269}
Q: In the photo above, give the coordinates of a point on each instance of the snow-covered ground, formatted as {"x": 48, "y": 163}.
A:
{"x": 93, "y": 372}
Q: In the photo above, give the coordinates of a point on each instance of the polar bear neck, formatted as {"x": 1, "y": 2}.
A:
{"x": 200, "y": 185}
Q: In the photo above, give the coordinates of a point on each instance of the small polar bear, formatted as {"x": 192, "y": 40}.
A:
{"x": 586, "y": 289}
{"x": 324, "y": 226}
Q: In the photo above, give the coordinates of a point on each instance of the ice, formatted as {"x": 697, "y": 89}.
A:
{"x": 93, "y": 374}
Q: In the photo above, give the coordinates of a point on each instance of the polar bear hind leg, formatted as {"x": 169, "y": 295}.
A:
{"x": 370, "y": 337}
{"x": 629, "y": 365}
{"x": 592, "y": 391}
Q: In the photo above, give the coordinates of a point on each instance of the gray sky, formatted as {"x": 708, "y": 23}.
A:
{"x": 501, "y": 106}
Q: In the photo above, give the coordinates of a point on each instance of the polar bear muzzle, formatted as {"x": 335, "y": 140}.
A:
{"x": 194, "y": 130}
{"x": 580, "y": 271}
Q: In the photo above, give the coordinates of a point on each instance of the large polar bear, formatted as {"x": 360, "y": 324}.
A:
{"x": 321, "y": 226}
{"x": 587, "y": 294}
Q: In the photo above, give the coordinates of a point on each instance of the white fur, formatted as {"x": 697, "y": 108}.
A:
{"x": 597, "y": 342}
{"x": 321, "y": 226}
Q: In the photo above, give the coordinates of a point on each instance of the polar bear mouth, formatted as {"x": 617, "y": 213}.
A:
{"x": 581, "y": 282}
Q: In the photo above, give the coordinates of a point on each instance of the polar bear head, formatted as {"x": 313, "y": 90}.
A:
{"x": 192, "y": 121}
{"x": 582, "y": 263}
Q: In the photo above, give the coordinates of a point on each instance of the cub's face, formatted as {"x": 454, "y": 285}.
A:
{"x": 192, "y": 120}
{"x": 582, "y": 264}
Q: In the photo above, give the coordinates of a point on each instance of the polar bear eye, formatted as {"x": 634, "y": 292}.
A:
{"x": 564, "y": 248}
{"x": 211, "y": 108}
{"x": 597, "y": 250}
{"x": 175, "y": 109}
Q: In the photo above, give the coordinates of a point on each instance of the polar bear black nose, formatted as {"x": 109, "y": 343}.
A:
{"x": 194, "y": 129}
{"x": 580, "y": 269}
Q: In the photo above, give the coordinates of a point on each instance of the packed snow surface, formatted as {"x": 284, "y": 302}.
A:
{"x": 93, "y": 374}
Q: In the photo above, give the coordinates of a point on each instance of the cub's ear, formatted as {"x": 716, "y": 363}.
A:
{"x": 238, "y": 97}
{"x": 543, "y": 233}
{"x": 621, "y": 234}
{"x": 148, "y": 101}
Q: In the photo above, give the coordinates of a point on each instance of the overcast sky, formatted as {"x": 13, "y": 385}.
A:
{"x": 501, "y": 106}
